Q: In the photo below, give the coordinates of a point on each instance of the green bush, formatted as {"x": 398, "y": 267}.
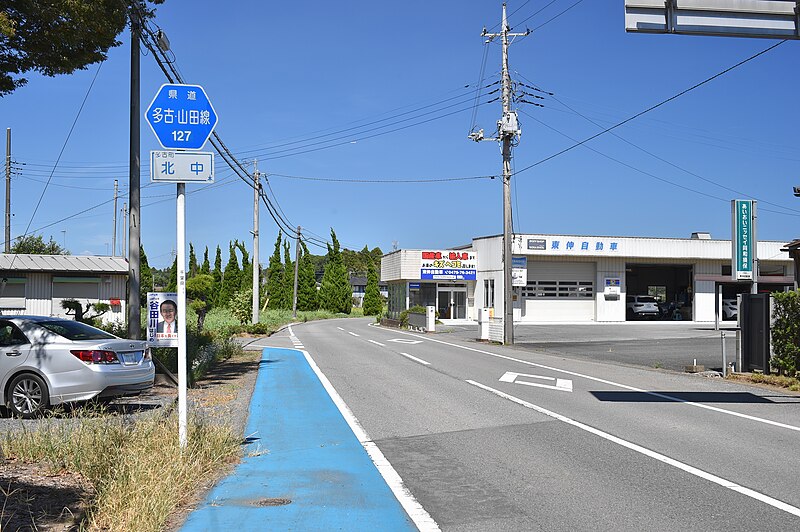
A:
{"x": 786, "y": 332}
{"x": 416, "y": 309}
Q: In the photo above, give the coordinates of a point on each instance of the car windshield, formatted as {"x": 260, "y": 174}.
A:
{"x": 75, "y": 330}
{"x": 647, "y": 299}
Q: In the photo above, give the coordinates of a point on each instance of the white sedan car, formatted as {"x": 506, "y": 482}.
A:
{"x": 48, "y": 361}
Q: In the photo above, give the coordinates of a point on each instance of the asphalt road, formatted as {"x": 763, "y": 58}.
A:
{"x": 491, "y": 438}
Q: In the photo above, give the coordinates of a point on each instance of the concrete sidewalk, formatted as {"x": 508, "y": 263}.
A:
{"x": 303, "y": 469}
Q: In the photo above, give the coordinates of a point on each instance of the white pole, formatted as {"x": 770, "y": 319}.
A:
{"x": 181, "y": 223}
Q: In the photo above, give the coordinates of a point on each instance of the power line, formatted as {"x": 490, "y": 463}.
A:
{"x": 651, "y": 108}
{"x": 382, "y": 181}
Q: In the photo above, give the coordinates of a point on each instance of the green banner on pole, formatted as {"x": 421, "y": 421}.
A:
{"x": 744, "y": 242}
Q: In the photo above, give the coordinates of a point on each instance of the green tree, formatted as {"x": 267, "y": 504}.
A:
{"x": 288, "y": 277}
{"x": 200, "y": 293}
{"x": 373, "y": 304}
{"x": 217, "y": 274}
{"x": 193, "y": 267}
{"x": 335, "y": 294}
{"x": 35, "y": 245}
{"x": 275, "y": 277}
{"x": 206, "y": 267}
{"x": 75, "y": 308}
{"x": 231, "y": 278}
{"x": 247, "y": 268}
{"x": 58, "y": 36}
{"x": 172, "y": 286}
{"x": 241, "y": 305}
{"x": 307, "y": 297}
{"x": 145, "y": 277}
{"x": 785, "y": 332}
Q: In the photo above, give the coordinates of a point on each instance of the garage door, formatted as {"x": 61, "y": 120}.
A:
{"x": 559, "y": 291}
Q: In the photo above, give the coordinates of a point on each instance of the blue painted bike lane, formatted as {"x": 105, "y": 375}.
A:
{"x": 305, "y": 469}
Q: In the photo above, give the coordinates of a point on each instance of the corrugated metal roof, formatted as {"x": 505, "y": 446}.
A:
{"x": 62, "y": 263}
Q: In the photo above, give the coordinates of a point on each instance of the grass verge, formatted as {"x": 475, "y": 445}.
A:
{"x": 781, "y": 381}
{"x": 137, "y": 469}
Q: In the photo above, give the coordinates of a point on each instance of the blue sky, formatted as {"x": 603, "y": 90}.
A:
{"x": 291, "y": 72}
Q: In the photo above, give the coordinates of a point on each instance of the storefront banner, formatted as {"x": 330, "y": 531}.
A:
{"x": 519, "y": 271}
{"x": 448, "y": 265}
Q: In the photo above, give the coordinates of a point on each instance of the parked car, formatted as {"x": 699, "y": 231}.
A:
{"x": 49, "y": 361}
{"x": 730, "y": 309}
{"x": 640, "y": 307}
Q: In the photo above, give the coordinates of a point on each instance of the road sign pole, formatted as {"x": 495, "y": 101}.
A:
{"x": 181, "y": 258}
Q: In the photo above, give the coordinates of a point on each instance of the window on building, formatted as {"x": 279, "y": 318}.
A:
{"x": 771, "y": 270}
{"x": 488, "y": 293}
{"x": 558, "y": 289}
{"x": 13, "y": 294}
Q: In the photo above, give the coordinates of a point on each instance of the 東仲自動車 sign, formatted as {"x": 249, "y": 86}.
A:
{"x": 743, "y": 240}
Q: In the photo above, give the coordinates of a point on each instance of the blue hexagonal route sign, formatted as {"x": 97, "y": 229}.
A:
{"x": 181, "y": 116}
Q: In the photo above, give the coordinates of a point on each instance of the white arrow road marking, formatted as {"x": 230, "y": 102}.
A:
{"x": 377, "y": 343}
{"x": 564, "y": 385}
{"x": 405, "y": 341}
{"x": 415, "y": 359}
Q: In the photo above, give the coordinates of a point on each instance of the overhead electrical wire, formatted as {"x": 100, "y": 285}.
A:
{"x": 649, "y": 109}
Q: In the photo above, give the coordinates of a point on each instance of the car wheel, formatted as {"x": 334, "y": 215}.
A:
{"x": 27, "y": 396}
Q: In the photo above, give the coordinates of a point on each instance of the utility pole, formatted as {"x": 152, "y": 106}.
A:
{"x": 124, "y": 226}
{"x": 8, "y": 191}
{"x": 114, "y": 234}
{"x": 256, "y": 276}
{"x": 134, "y": 303}
{"x": 296, "y": 269}
{"x": 507, "y": 129}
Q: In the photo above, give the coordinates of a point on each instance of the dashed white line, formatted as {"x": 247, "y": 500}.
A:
{"x": 354, "y": 334}
{"x": 377, "y": 343}
{"x": 340, "y": 328}
{"x": 652, "y": 454}
{"x": 415, "y": 359}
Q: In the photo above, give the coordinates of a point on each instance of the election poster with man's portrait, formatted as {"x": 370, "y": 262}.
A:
{"x": 162, "y": 319}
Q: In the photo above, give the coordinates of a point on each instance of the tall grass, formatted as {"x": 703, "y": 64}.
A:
{"x": 138, "y": 470}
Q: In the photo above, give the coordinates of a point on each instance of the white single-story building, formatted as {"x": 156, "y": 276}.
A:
{"x": 578, "y": 278}
{"x": 36, "y": 284}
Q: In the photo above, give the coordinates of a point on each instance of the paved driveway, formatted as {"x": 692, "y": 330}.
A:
{"x": 668, "y": 345}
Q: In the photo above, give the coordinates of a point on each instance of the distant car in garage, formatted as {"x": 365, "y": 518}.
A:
{"x": 47, "y": 361}
{"x": 642, "y": 307}
{"x": 730, "y": 309}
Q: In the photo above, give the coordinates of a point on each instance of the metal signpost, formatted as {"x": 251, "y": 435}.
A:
{"x": 182, "y": 118}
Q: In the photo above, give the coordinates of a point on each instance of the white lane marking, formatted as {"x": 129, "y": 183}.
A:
{"x": 564, "y": 385}
{"x": 376, "y": 343}
{"x": 618, "y": 385}
{"x": 354, "y": 334}
{"x": 405, "y": 341}
{"x": 652, "y": 454}
{"x": 414, "y": 509}
{"x": 340, "y": 328}
{"x": 415, "y": 359}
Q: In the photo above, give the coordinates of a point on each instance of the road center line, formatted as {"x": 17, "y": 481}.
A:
{"x": 415, "y": 359}
{"x": 611, "y": 383}
{"x": 377, "y": 343}
{"x": 780, "y": 505}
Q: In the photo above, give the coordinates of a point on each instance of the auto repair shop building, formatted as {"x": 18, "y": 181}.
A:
{"x": 577, "y": 278}
{"x": 36, "y": 284}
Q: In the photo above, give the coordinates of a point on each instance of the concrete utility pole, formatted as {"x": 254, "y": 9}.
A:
{"x": 8, "y": 191}
{"x": 114, "y": 234}
{"x": 507, "y": 129}
{"x": 256, "y": 277}
{"x": 296, "y": 269}
{"x": 124, "y": 226}
{"x": 134, "y": 303}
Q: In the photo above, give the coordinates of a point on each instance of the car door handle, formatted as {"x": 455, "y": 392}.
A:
{"x": 13, "y": 353}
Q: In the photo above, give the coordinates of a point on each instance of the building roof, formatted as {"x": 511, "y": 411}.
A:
{"x": 62, "y": 263}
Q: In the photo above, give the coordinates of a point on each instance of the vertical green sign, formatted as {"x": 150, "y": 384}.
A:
{"x": 744, "y": 241}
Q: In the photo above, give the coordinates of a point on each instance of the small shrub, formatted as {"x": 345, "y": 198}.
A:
{"x": 786, "y": 332}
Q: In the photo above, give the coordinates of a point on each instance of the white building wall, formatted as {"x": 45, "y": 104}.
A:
{"x": 114, "y": 287}
{"x": 704, "y": 291}
{"x": 610, "y": 309}
{"x": 38, "y": 294}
